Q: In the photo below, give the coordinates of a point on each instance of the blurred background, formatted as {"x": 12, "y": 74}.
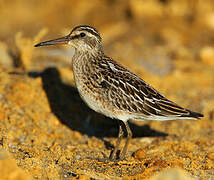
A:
{"x": 151, "y": 33}
{"x": 156, "y": 39}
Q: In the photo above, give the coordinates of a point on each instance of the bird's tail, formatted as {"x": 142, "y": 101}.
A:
{"x": 193, "y": 114}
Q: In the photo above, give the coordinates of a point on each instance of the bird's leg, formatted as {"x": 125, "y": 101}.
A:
{"x": 129, "y": 136}
{"x": 120, "y": 136}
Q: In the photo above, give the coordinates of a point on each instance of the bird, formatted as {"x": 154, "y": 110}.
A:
{"x": 112, "y": 90}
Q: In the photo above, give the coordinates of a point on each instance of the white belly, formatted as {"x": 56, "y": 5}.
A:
{"x": 93, "y": 99}
{"x": 89, "y": 97}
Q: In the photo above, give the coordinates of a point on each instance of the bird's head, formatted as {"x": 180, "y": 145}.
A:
{"x": 82, "y": 38}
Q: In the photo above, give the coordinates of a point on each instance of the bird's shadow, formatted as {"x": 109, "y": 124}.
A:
{"x": 69, "y": 108}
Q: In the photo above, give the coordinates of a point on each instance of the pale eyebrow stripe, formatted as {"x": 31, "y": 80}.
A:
{"x": 88, "y": 29}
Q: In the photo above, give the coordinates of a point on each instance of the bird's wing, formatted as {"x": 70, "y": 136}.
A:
{"x": 128, "y": 92}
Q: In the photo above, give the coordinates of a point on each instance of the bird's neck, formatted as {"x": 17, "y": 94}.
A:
{"x": 93, "y": 51}
{"x": 88, "y": 55}
{"x": 83, "y": 59}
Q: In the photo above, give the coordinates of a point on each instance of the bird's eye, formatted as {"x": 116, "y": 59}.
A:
{"x": 82, "y": 34}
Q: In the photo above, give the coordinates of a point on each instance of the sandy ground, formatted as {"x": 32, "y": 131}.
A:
{"x": 46, "y": 130}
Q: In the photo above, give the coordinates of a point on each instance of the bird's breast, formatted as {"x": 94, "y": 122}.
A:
{"x": 83, "y": 76}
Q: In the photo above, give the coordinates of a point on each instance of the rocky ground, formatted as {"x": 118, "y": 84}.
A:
{"x": 46, "y": 130}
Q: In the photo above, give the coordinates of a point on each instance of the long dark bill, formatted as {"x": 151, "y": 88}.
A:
{"x": 62, "y": 40}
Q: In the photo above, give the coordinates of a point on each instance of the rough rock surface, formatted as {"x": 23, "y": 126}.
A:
{"x": 51, "y": 133}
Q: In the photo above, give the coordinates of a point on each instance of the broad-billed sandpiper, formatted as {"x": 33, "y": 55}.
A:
{"x": 112, "y": 90}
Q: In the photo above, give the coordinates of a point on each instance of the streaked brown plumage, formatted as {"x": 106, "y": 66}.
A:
{"x": 111, "y": 89}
